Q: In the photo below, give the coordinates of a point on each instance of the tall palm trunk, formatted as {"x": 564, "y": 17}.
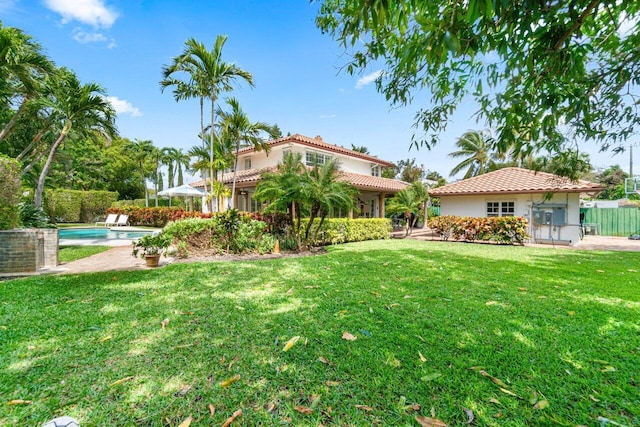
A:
{"x": 235, "y": 172}
{"x": 5, "y": 131}
{"x": 213, "y": 139}
{"x": 47, "y": 165}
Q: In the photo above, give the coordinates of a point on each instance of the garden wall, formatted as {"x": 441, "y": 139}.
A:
{"x": 28, "y": 250}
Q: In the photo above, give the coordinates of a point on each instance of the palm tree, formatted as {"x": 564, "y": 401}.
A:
{"x": 22, "y": 67}
{"x": 77, "y": 107}
{"x": 143, "y": 154}
{"x": 475, "y": 147}
{"x": 208, "y": 76}
{"x": 181, "y": 160}
{"x": 325, "y": 193}
{"x": 168, "y": 159}
{"x": 410, "y": 203}
{"x": 237, "y": 127}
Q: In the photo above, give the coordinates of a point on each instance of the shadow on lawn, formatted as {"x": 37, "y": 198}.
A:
{"x": 537, "y": 320}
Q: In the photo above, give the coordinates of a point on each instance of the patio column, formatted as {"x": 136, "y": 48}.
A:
{"x": 381, "y": 203}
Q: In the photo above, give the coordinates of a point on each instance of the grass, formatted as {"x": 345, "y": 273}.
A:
{"x": 441, "y": 328}
{"x": 72, "y": 253}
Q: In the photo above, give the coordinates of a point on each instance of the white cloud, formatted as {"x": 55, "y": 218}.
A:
{"x": 94, "y": 37}
{"x": 90, "y": 12}
{"x": 123, "y": 107}
{"x": 368, "y": 79}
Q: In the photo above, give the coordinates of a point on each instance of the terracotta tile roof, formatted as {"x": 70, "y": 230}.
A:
{"x": 361, "y": 182}
{"x": 317, "y": 142}
{"x": 515, "y": 181}
{"x": 367, "y": 182}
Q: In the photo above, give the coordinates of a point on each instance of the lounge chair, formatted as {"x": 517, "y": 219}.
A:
{"x": 111, "y": 220}
{"x": 122, "y": 220}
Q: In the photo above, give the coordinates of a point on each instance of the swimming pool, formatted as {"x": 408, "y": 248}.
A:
{"x": 100, "y": 234}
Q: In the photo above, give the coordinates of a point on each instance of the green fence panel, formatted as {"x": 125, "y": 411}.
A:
{"x": 613, "y": 221}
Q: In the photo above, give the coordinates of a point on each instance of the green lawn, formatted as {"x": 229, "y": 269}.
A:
{"x": 72, "y": 253}
{"x": 514, "y": 336}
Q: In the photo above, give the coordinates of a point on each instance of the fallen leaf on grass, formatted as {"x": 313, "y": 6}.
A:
{"x": 311, "y": 287}
{"x": 390, "y": 306}
{"x": 364, "y": 408}
{"x": 324, "y": 360}
{"x": 212, "y": 409}
{"x": 414, "y": 407}
{"x": 184, "y": 390}
{"x": 542, "y": 297}
{"x": 470, "y": 416}
{"x": 429, "y": 422}
{"x": 431, "y": 376}
{"x": 600, "y": 271}
{"x": 120, "y": 381}
{"x": 164, "y": 323}
{"x": 493, "y": 379}
{"x": 541, "y": 404}
{"x": 271, "y": 406}
{"x": 235, "y": 359}
{"x": 608, "y": 369}
{"x": 105, "y": 338}
{"x": 228, "y": 382}
{"x": 232, "y": 418}
{"x": 290, "y": 291}
{"x": 290, "y": 343}
{"x": 491, "y": 303}
{"x": 347, "y": 336}
{"x": 495, "y": 401}
{"x": 509, "y": 392}
{"x": 186, "y": 423}
{"x": 523, "y": 289}
{"x": 19, "y": 402}
{"x": 422, "y": 358}
{"x": 303, "y": 409}
{"x": 591, "y": 396}
{"x": 497, "y": 415}
{"x": 332, "y": 383}
{"x": 375, "y": 293}
{"x": 420, "y": 338}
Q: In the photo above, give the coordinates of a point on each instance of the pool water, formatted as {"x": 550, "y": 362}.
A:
{"x": 99, "y": 234}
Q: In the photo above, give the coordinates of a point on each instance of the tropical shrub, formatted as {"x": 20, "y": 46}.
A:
{"x": 344, "y": 230}
{"x": 9, "y": 193}
{"x": 228, "y": 232}
{"x": 155, "y": 217}
{"x": 32, "y": 216}
{"x": 502, "y": 230}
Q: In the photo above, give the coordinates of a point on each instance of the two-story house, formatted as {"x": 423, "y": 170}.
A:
{"x": 361, "y": 170}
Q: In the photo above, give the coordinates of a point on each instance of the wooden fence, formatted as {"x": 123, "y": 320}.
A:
{"x": 613, "y": 221}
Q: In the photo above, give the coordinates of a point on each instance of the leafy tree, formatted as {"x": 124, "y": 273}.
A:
{"x": 613, "y": 178}
{"x": 76, "y": 107}
{"x": 436, "y": 179}
{"x": 476, "y": 150}
{"x": 142, "y": 152}
{"x": 22, "y": 66}
{"x": 207, "y": 75}
{"x": 411, "y": 204}
{"x": 298, "y": 190}
{"x": 237, "y": 127}
{"x": 532, "y": 67}
{"x": 409, "y": 171}
{"x": 360, "y": 149}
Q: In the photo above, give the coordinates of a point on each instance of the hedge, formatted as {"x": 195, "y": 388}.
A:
{"x": 344, "y": 230}
{"x": 501, "y": 230}
{"x": 9, "y": 193}
{"x": 77, "y": 205}
{"x": 155, "y": 217}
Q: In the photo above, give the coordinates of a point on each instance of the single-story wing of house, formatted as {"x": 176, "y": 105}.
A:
{"x": 362, "y": 170}
{"x": 551, "y": 203}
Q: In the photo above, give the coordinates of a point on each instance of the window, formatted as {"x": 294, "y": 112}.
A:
{"x": 495, "y": 209}
{"x": 247, "y": 163}
{"x": 375, "y": 170}
{"x": 319, "y": 158}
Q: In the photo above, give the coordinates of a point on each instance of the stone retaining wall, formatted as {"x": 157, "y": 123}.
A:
{"x": 28, "y": 250}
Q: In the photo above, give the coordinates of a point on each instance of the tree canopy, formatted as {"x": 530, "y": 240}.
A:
{"x": 535, "y": 69}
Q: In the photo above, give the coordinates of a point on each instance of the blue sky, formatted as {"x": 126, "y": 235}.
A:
{"x": 123, "y": 44}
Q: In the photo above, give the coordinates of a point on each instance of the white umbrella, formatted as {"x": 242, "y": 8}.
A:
{"x": 183, "y": 190}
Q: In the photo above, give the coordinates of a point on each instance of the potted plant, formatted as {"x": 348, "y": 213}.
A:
{"x": 151, "y": 247}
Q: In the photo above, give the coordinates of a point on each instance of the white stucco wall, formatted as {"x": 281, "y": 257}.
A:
{"x": 261, "y": 160}
{"x": 476, "y": 206}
